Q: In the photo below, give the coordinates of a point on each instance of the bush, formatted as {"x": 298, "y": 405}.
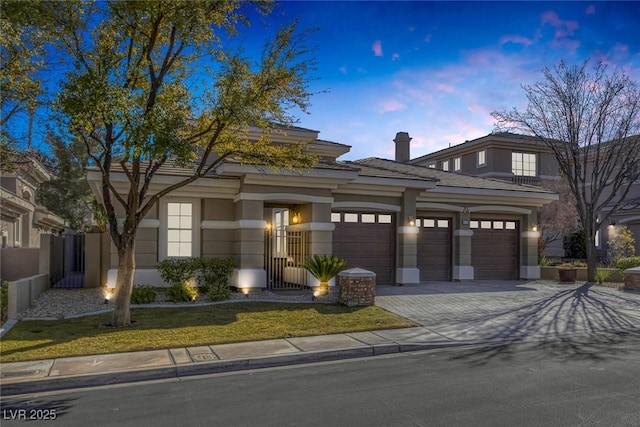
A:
{"x": 601, "y": 275}
{"x": 621, "y": 245}
{"x": 184, "y": 292}
{"x": 4, "y": 301}
{"x": 575, "y": 245}
{"x": 177, "y": 271}
{"x": 214, "y": 276}
{"x": 143, "y": 294}
{"x": 624, "y": 263}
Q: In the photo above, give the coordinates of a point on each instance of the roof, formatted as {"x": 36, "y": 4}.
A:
{"x": 444, "y": 179}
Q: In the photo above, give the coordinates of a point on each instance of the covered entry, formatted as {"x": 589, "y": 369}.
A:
{"x": 495, "y": 249}
{"x": 434, "y": 248}
{"x": 366, "y": 240}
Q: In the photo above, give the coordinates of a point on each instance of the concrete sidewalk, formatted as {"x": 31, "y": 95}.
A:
{"x": 451, "y": 315}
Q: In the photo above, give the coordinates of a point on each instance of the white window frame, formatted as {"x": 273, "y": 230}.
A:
{"x": 17, "y": 232}
{"x": 482, "y": 158}
{"x": 457, "y": 164}
{"x": 521, "y": 164}
{"x": 280, "y": 223}
{"x": 445, "y": 165}
{"x": 163, "y": 244}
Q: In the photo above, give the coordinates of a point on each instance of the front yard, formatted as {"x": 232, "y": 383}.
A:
{"x": 161, "y": 328}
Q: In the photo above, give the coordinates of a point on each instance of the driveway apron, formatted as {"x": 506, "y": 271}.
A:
{"x": 513, "y": 310}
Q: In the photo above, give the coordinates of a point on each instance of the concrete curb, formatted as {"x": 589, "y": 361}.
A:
{"x": 214, "y": 367}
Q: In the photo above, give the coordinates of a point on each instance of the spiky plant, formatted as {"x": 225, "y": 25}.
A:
{"x": 324, "y": 268}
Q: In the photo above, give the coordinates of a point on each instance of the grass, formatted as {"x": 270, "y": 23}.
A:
{"x": 161, "y": 328}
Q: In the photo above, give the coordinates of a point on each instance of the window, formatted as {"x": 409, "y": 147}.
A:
{"x": 457, "y": 164}
{"x": 482, "y": 157}
{"x": 368, "y": 218}
{"x": 17, "y": 232}
{"x": 335, "y": 216}
{"x": 350, "y": 217}
{"x": 384, "y": 219}
{"x": 432, "y": 165}
{"x": 179, "y": 229}
{"x": 280, "y": 223}
{"x": 524, "y": 164}
{"x": 445, "y": 165}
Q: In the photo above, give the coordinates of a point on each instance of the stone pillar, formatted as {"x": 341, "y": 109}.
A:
{"x": 529, "y": 268}
{"x": 249, "y": 245}
{"x": 357, "y": 287}
{"x": 407, "y": 240}
{"x": 462, "y": 234}
{"x": 632, "y": 279}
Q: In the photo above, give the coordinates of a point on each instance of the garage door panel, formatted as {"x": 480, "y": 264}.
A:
{"x": 367, "y": 245}
{"x": 495, "y": 250}
{"x": 434, "y": 249}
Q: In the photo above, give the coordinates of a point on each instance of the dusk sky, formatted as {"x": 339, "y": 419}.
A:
{"x": 438, "y": 69}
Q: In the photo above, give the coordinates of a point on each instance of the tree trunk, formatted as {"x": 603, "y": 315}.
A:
{"x": 124, "y": 286}
{"x": 592, "y": 260}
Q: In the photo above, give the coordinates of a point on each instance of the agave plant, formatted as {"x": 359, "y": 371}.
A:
{"x": 324, "y": 268}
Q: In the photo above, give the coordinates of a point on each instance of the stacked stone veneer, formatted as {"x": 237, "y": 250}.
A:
{"x": 357, "y": 287}
{"x": 632, "y": 279}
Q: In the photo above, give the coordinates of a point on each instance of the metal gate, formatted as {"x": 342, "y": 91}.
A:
{"x": 285, "y": 252}
{"x": 67, "y": 261}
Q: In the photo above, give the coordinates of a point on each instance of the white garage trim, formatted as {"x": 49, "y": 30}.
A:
{"x": 509, "y": 209}
{"x": 439, "y": 206}
{"x": 366, "y": 206}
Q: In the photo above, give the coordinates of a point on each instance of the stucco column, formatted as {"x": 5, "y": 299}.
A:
{"x": 249, "y": 245}
{"x": 462, "y": 234}
{"x": 529, "y": 235}
{"x": 406, "y": 244}
{"x": 316, "y": 219}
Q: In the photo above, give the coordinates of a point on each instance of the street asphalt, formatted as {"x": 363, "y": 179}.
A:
{"x": 493, "y": 313}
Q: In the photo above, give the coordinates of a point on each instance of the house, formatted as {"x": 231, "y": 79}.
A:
{"x": 406, "y": 222}
{"x": 22, "y": 219}
{"x": 526, "y": 160}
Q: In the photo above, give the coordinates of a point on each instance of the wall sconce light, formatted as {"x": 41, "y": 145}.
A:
{"x": 412, "y": 221}
{"x": 268, "y": 226}
{"x": 296, "y": 217}
{"x": 534, "y": 227}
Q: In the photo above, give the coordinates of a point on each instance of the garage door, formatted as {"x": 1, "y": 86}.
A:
{"x": 434, "y": 248}
{"x": 366, "y": 240}
{"x": 495, "y": 249}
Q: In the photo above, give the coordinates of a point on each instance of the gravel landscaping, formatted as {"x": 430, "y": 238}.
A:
{"x": 67, "y": 303}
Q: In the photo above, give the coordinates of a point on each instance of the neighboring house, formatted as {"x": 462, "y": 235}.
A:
{"x": 22, "y": 220}
{"x": 405, "y": 222}
{"x": 524, "y": 160}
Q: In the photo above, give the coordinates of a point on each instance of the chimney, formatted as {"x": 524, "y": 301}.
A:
{"x": 402, "y": 147}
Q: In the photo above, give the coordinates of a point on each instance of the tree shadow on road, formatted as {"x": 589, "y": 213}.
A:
{"x": 584, "y": 323}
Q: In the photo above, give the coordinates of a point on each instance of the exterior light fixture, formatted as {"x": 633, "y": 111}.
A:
{"x": 296, "y": 218}
{"x": 534, "y": 227}
{"x": 268, "y": 225}
{"x": 412, "y": 221}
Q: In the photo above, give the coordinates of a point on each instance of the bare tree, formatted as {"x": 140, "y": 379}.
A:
{"x": 591, "y": 121}
{"x": 558, "y": 218}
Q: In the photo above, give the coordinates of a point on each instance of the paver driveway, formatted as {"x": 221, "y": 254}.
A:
{"x": 513, "y": 310}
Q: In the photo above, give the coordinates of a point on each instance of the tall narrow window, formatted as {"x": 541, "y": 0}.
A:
{"x": 457, "y": 164}
{"x": 179, "y": 229}
{"x": 482, "y": 157}
{"x": 524, "y": 164}
{"x": 445, "y": 165}
{"x": 280, "y": 221}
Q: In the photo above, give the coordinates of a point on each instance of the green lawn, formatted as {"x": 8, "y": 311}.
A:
{"x": 160, "y": 328}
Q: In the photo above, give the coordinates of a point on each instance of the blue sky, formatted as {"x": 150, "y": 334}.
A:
{"x": 438, "y": 69}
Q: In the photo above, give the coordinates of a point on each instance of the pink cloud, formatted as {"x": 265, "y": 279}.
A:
{"x": 563, "y": 28}
{"x": 395, "y": 56}
{"x": 591, "y": 9}
{"x": 516, "y": 39}
{"x": 391, "y": 105}
{"x": 444, "y": 87}
{"x": 377, "y": 48}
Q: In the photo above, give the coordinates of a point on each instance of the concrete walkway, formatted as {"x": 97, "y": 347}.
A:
{"x": 451, "y": 314}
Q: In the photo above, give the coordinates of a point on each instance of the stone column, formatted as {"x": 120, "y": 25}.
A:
{"x": 249, "y": 245}
{"x": 529, "y": 268}
{"x": 462, "y": 234}
{"x": 407, "y": 240}
{"x": 357, "y": 287}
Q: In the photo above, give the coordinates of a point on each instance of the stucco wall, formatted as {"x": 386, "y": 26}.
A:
{"x": 18, "y": 263}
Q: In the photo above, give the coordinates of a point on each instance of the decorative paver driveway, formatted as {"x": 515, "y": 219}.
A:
{"x": 510, "y": 310}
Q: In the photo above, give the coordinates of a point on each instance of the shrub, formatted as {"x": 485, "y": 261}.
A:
{"x": 4, "y": 301}
{"x": 624, "y": 263}
{"x": 602, "y": 275}
{"x": 324, "y": 268}
{"x": 214, "y": 276}
{"x": 183, "y": 292}
{"x": 143, "y": 294}
{"x": 621, "y": 245}
{"x": 177, "y": 271}
{"x": 575, "y": 245}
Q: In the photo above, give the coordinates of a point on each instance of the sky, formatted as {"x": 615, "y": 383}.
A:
{"x": 438, "y": 69}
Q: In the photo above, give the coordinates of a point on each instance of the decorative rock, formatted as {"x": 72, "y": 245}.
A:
{"x": 357, "y": 287}
{"x": 632, "y": 279}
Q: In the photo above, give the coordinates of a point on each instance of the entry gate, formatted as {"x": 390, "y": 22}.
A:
{"x": 285, "y": 252}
